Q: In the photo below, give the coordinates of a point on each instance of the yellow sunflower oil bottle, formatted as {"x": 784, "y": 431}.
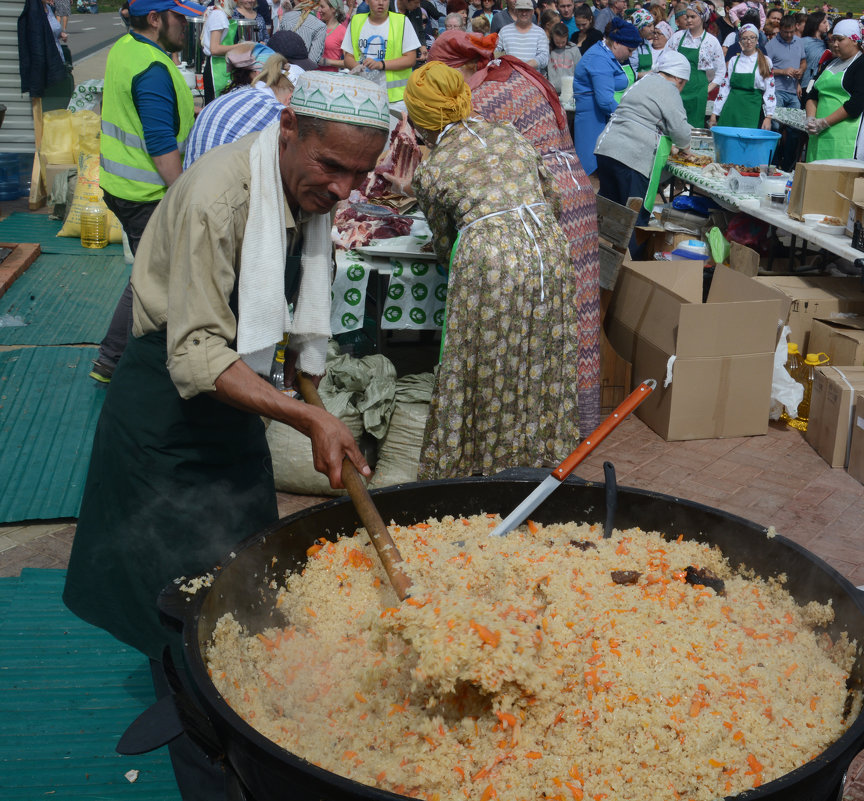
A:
{"x": 793, "y": 365}
{"x": 805, "y": 377}
{"x": 94, "y": 223}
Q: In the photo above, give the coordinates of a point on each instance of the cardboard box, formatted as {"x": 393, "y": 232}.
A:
{"x": 832, "y": 405}
{"x": 856, "y": 449}
{"x": 856, "y": 206}
{"x": 723, "y": 349}
{"x": 659, "y": 240}
{"x": 743, "y": 259}
{"x": 815, "y": 297}
{"x": 842, "y": 338}
{"x": 815, "y": 189}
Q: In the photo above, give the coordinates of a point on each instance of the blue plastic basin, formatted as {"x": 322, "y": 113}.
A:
{"x": 748, "y": 147}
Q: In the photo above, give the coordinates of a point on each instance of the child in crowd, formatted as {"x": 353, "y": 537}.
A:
{"x": 564, "y": 55}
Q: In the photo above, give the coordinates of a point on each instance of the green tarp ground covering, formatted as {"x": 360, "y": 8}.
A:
{"x": 65, "y": 300}
{"x": 48, "y": 413}
{"x": 67, "y": 693}
{"x": 24, "y": 227}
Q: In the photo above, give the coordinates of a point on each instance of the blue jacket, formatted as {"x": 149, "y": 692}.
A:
{"x": 598, "y": 76}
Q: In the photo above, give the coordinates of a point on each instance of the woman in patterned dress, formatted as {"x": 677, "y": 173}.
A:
{"x": 504, "y": 394}
{"x": 510, "y": 91}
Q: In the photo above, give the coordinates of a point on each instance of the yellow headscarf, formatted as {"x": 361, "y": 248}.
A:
{"x": 437, "y": 95}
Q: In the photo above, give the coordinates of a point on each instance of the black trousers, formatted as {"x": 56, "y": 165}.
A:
{"x": 133, "y": 217}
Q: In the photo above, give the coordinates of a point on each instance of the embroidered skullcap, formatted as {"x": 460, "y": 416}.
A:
{"x": 623, "y": 32}
{"x": 341, "y": 98}
{"x": 850, "y": 28}
{"x": 437, "y": 95}
{"x": 673, "y": 63}
{"x": 641, "y": 18}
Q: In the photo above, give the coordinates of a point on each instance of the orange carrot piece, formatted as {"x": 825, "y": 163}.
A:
{"x": 488, "y": 793}
{"x": 532, "y": 526}
{"x": 489, "y": 637}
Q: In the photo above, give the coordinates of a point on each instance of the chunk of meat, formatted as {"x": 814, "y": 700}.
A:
{"x": 625, "y": 576}
{"x": 583, "y": 545}
{"x": 703, "y": 576}
{"x": 394, "y": 172}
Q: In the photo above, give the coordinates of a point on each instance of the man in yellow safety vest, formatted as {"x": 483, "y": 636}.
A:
{"x": 147, "y": 113}
{"x": 384, "y": 46}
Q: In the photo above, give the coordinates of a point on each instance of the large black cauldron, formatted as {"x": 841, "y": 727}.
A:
{"x": 269, "y": 772}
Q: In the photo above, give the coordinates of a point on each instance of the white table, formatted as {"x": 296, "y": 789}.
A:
{"x": 750, "y": 204}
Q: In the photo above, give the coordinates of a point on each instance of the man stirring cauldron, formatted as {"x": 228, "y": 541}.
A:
{"x": 180, "y": 470}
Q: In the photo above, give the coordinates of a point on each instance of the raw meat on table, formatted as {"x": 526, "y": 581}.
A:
{"x": 353, "y": 229}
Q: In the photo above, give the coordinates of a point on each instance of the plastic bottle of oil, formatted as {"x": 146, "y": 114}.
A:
{"x": 805, "y": 376}
{"x": 94, "y": 223}
{"x": 793, "y": 366}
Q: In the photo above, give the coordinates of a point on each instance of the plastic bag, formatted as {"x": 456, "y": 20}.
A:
{"x": 719, "y": 246}
{"x": 747, "y": 230}
{"x": 696, "y": 204}
{"x": 399, "y": 451}
{"x": 58, "y": 137}
{"x": 87, "y": 186}
{"x": 785, "y": 390}
{"x": 86, "y": 125}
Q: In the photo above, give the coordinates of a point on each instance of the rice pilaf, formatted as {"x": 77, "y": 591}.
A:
{"x": 519, "y": 669}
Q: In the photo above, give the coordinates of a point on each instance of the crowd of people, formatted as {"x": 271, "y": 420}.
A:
{"x": 227, "y": 210}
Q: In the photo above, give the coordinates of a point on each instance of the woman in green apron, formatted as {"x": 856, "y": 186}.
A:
{"x": 643, "y": 59}
{"x": 747, "y": 90}
{"x": 631, "y": 79}
{"x": 218, "y": 38}
{"x": 835, "y": 105}
{"x": 634, "y": 146}
{"x": 705, "y": 55}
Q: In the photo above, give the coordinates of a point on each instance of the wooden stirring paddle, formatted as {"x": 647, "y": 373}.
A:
{"x": 388, "y": 553}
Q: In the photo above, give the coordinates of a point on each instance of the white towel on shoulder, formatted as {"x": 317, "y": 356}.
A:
{"x": 263, "y": 313}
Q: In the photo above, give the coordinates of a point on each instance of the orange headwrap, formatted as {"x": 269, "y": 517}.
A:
{"x": 437, "y": 95}
{"x": 455, "y": 48}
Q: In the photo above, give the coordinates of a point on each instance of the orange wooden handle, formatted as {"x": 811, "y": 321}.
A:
{"x": 604, "y": 429}
{"x": 388, "y": 553}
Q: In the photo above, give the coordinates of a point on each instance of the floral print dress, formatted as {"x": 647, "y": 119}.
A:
{"x": 505, "y": 394}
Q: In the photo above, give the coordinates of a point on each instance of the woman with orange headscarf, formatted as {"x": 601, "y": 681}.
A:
{"x": 502, "y": 393}
{"x": 508, "y": 90}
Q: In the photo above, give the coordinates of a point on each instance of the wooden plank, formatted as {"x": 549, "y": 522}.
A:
{"x": 615, "y": 372}
{"x": 14, "y": 265}
{"x": 615, "y": 224}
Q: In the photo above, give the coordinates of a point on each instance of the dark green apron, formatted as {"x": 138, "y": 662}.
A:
{"x": 631, "y": 79}
{"x": 695, "y": 94}
{"x": 744, "y": 103}
{"x": 646, "y": 60}
{"x": 173, "y": 486}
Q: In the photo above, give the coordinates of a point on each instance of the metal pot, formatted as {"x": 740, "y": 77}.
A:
{"x": 241, "y": 586}
{"x": 247, "y": 30}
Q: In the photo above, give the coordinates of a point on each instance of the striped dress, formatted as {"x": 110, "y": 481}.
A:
{"x": 518, "y": 101}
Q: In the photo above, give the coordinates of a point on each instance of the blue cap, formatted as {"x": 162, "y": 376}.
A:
{"x": 140, "y": 8}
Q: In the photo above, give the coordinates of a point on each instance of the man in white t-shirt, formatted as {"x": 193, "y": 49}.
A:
{"x": 385, "y": 44}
